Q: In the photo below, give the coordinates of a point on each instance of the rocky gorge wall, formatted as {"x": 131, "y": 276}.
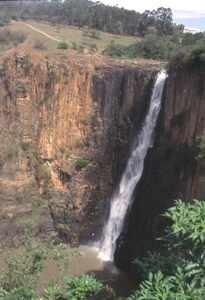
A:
{"x": 171, "y": 170}
{"x": 65, "y": 130}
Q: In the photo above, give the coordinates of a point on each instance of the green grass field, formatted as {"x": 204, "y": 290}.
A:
{"x": 68, "y": 35}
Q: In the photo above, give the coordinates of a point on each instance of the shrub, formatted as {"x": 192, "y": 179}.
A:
{"x": 180, "y": 274}
{"x": 39, "y": 44}
{"x": 8, "y": 37}
{"x": 92, "y": 33}
{"x": 82, "y": 162}
{"x": 93, "y": 47}
{"x": 81, "y": 48}
{"x": 25, "y": 145}
{"x": 12, "y": 151}
{"x": 89, "y": 122}
{"x": 84, "y": 287}
{"x": 189, "y": 57}
{"x": 62, "y": 150}
{"x": 18, "y": 38}
{"x": 74, "y": 46}
{"x": 95, "y": 34}
{"x": 195, "y": 58}
{"x": 26, "y": 65}
{"x": 2, "y": 69}
{"x": 62, "y": 45}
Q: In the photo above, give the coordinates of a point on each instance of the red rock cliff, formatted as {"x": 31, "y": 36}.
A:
{"x": 65, "y": 132}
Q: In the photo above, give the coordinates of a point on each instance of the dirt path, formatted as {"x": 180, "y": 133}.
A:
{"x": 42, "y": 32}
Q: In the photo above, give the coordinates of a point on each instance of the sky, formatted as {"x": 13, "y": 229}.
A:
{"x": 190, "y": 13}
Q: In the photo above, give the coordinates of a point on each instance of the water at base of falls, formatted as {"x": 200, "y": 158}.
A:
{"x": 123, "y": 195}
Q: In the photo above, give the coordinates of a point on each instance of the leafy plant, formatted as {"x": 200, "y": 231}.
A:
{"x": 180, "y": 274}
{"x": 82, "y": 162}
{"x": 84, "y": 287}
{"x": 53, "y": 292}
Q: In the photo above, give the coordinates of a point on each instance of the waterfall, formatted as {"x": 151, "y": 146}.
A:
{"x": 122, "y": 197}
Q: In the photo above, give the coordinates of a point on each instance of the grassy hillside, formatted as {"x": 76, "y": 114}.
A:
{"x": 66, "y": 34}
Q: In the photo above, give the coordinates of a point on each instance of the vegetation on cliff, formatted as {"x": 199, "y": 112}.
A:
{"x": 190, "y": 57}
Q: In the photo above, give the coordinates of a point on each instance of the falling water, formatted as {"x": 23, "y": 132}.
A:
{"x": 123, "y": 196}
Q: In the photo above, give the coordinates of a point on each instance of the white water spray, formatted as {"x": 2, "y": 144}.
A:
{"x": 123, "y": 196}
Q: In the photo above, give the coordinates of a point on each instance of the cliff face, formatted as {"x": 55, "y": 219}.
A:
{"x": 65, "y": 133}
{"x": 171, "y": 170}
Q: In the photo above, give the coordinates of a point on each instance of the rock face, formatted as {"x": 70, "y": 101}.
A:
{"x": 65, "y": 129}
{"x": 171, "y": 170}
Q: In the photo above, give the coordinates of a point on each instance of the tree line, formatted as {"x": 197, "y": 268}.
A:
{"x": 95, "y": 15}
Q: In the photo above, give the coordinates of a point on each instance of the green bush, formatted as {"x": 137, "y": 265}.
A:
{"x": 82, "y": 162}
{"x": 180, "y": 274}
{"x": 89, "y": 122}
{"x": 189, "y": 57}
{"x": 195, "y": 58}
{"x": 115, "y": 50}
{"x": 82, "y": 288}
{"x": 25, "y": 145}
{"x": 81, "y": 48}
{"x": 39, "y": 44}
{"x": 92, "y": 33}
{"x": 12, "y": 151}
{"x": 62, "y": 45}
{"x": 74, "y": 46}
{"x": 27, "y": 65}
{"x": 93, "y": 47}
{"x": 8, "y": 37}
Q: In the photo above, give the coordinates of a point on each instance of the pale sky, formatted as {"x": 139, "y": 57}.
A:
{"x": 190, "y": 12}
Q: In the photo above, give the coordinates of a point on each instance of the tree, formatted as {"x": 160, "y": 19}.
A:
{"x": 163, "y": 19}
{"x": 146, "y": 20}
{"x": 119, "y": 28}
{"x": 188, "y": 39}
{"x": 179, "y": 273}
